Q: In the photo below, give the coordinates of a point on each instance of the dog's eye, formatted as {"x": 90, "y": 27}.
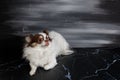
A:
{"x": 40, "y": 40}
{"x": 48, "y": 38}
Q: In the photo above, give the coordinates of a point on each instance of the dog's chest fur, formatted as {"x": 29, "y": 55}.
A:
{"x": 38, "y": 56}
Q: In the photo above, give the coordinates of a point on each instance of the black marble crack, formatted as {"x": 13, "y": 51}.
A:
{"x": 96, "y": 51}
{"x": 4, "y": 64}
{"x": 68, "y": 75}
{"x": 102, "y": 69}
{"x": 12, "y": 67}
{"x": 108, "y": 65}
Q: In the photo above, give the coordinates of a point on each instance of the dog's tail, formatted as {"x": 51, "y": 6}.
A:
{"x": 68, "y": 52}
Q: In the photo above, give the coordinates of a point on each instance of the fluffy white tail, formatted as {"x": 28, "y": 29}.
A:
{"x": 68, "y": 52}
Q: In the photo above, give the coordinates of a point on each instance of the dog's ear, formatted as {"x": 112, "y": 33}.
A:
{"x": 46, "y": 32}
{"x": 28, "y": 38}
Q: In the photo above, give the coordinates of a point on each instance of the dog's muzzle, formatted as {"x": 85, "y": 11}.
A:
{"x": 46, "y": 42}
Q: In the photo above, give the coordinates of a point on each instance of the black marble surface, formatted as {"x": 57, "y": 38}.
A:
{"x": 84, "y": 64}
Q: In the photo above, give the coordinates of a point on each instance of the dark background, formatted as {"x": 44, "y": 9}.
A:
{"x": 84, "y": 23}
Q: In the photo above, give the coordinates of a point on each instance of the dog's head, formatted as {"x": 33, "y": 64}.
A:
{"x": 42, "y": 39}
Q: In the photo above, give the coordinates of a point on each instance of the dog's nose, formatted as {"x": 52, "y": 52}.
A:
{"x": 46, "y": 40}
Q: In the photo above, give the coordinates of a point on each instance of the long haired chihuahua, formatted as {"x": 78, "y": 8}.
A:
{"x": 42, "y": 49}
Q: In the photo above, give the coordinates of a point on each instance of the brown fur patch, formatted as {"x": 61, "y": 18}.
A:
{"x": 35, "y": 39}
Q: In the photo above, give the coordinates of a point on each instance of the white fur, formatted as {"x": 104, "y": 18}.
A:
{"x": 45, "y": 56}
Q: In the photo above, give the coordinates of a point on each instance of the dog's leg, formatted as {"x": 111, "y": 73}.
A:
{"x": 33, "y": 69}
{"x": 51, "y": 64}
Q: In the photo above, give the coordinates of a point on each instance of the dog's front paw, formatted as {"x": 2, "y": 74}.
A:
{"x": 32, "y": 73}
{"x": 47, "y": 67}
{"x": 50, "y": 66}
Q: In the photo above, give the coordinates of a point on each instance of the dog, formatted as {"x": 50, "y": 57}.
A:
{"x": 42, "y": 49}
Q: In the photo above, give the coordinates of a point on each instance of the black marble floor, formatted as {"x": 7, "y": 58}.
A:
{"x": 84, "y": 64}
